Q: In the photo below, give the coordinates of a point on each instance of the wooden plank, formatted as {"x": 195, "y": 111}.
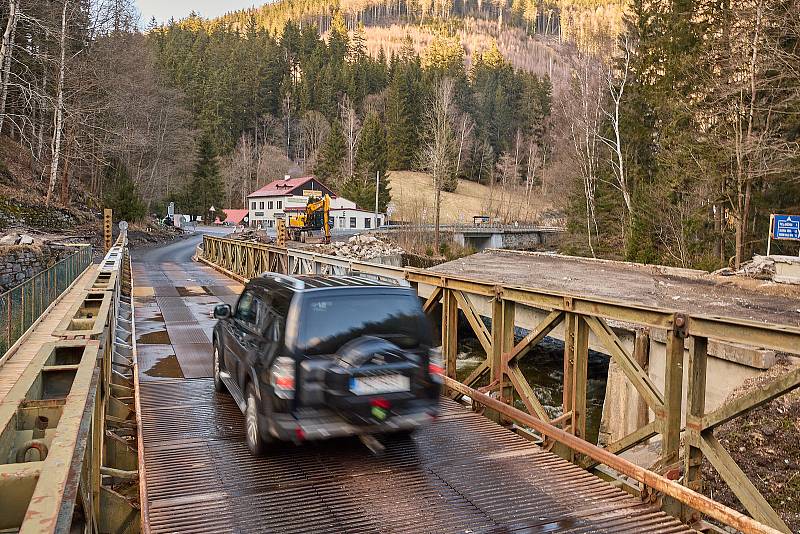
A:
{"x": 753, "y": 399}
{"x": 535, "y": 336}
{"x": 734, "y": 477}
{"x": 633, "y": 371}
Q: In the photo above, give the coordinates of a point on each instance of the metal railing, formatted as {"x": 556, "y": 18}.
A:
{"x": 21, "y": 306}
{"x": 580, "y": 316}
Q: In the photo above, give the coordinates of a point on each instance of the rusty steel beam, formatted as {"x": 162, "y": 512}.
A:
{"x": 650, "y": 479}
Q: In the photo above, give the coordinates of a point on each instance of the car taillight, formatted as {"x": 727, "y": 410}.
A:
{"x": 282, "y": 377}
{"x": 436, "y": 367}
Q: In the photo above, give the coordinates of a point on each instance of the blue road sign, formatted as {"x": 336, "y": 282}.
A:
{"x": 786, "y": 227}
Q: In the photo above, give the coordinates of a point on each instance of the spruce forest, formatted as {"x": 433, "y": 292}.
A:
{"x": 658, "y": 131}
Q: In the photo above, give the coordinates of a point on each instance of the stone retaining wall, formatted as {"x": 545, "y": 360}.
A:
{"x": 20, "y": 262}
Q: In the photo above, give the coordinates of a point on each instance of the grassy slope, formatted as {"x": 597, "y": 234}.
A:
{"x": 413, "y": 197}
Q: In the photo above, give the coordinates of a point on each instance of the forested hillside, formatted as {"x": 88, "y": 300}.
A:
{"x": 665, "y": 130}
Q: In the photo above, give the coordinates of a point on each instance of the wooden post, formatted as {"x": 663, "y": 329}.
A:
{"x": 107, "y": 223}
{"x": 449, "y": 332}
{"x": 580, "y": 377}
{"x": 673, "y": 395}
{"x": 695, "y": 409}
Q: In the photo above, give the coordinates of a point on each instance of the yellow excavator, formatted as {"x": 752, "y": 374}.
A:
{"x": 313, "y": 222}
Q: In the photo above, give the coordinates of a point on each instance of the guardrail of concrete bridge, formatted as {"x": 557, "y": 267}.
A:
{"x": 68, "y": 457}
{"x": 23, "y": 305}
{"x": 446, "y": 295}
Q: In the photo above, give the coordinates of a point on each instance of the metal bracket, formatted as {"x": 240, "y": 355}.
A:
{"x": 680, "y": 324}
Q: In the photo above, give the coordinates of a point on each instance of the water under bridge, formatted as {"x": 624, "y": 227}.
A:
{"x": 109, "y": 421}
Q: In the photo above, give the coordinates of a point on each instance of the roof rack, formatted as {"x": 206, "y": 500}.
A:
{"x": 388, "y": 280}
{"x": 285, "y": 278}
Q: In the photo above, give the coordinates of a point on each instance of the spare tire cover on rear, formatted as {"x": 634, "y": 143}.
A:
{"x": 362, "y": 350}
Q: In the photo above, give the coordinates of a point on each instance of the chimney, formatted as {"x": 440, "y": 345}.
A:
{"x": 286, "y": 177}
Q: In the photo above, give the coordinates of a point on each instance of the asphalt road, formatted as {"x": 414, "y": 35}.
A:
{"x": 180, "y": 251}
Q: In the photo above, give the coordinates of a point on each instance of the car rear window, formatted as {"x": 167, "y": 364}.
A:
{"x": 330, "y": 321}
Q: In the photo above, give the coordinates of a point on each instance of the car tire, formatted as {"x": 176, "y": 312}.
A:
{"x": 219, "y": 385}
{"x": 252, "y": 429}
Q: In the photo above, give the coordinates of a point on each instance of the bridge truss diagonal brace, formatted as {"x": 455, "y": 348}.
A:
{"x": 633, "y": 371}
{"x": 475, "y": 321}
{"x": 628, "y": 442}
{"x": 534, "y": 337}
{"x": 734, "y": 477}
{"x": 755, "y": 398}
{"x": 433, "y": 300}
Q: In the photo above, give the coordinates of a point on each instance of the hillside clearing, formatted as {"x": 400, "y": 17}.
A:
{"x": 414, "y": 199}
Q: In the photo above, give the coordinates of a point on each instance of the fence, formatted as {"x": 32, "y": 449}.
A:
{"x": 63, "y": 425}
{"x": 580, "y": 316}
{"x": 21, "y": 306}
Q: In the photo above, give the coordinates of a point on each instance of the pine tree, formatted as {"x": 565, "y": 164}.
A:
{"x": 124, "y": 198}
{"x": 404, "y": 114}
{"x": 330, "y": 164}
{"x": 371, "y": 160}
{"x": 205, "y": 188}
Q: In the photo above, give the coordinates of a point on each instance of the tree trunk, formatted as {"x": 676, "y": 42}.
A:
{"x": 436, "y": 215}
{"x": 59, "y": 111}
{"x": 6, "y": 52}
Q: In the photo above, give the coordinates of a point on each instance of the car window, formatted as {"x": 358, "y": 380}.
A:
{"x": 246, "y": 308}
{"x": 330, "y": 321}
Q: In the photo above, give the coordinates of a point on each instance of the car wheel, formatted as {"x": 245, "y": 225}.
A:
{"x": 219, "y": 385}
{"x": 252, "y": 430}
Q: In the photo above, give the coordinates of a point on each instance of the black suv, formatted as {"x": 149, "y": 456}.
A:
{"x": 315, "y": 357}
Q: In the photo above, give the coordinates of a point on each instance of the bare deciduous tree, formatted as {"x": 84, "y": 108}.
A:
{"x": 438, "y": 152}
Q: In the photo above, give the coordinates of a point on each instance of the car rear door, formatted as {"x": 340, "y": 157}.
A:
{"x": 240, "y": 329}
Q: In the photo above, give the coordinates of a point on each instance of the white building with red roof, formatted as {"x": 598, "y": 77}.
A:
{"x": 289, "y": 196}
{"x": 281, "y": 197}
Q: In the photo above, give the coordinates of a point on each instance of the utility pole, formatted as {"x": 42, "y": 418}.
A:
{"x": 377, "y": 189}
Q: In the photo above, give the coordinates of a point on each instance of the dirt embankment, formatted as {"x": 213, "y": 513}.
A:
{"x": 765, "y": 443}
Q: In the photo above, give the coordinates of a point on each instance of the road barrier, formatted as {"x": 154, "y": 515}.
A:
{"x": 68, "y": 459}
{"x": 446, "y": 296}
{"x": 22, "y": 306}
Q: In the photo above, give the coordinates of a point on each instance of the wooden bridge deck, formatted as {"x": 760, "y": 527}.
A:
{"x": 461, "y": 474}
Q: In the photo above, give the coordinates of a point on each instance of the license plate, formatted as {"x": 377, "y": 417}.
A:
{"x": 377, "y": 385}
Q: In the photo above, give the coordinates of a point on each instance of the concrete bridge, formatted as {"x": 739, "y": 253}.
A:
{"x": 484, "y": 236}
{"x": 119, "y": 364}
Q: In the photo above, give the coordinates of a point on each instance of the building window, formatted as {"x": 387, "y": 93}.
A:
{"x": 279, "y": 204}
{"x": 269, "y": 205}
{"x": 367, "y": 222}
{"x": 271, "y": 223}
{"x": 258, "y": 214}
{"x": 379, "y": 223}
{"x": 252, "y": 205}
{"x": 261, "y": 205}
{"x": 352, "y": 222}
{"x": 341, "y": 222}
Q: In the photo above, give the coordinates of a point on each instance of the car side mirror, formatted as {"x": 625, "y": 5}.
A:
{"x": 222, "y": 311}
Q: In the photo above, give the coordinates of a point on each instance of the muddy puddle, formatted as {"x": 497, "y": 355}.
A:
{"x": 167, "y": 367}
{"x": 192, "y": 291}
{"x": 157, "y": 337}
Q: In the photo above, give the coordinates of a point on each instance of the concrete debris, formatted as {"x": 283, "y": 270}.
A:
{"x": 17, "y": 239}
{"x": 252, "y": 236}
{"x": 360, "y": 247}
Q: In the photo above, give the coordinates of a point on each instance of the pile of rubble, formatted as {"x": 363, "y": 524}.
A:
{"x": 760, "y": 268}
{"x": 361, "y": 247}
{"x": 252, "y": 236}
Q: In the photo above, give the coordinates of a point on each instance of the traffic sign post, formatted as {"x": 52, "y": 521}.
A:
{"x": 783, "y": 227}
